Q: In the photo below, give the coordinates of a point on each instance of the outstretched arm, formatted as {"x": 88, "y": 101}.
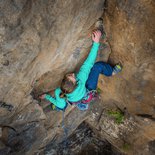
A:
{"x": 89, "y": 62}
{"x": 49, "y": 98}
{"x": 53, "y": 100}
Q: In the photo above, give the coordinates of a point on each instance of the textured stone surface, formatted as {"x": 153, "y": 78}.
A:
{"x": 42, "y": 40}
{"x": 82, "y": 141}
{"x": 130, "y": 30}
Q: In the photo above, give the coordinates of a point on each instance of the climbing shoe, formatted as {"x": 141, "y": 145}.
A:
{"x": 53, "y": 107}
{"x": 49, "y": 108}
{"x": 117, "y": 68}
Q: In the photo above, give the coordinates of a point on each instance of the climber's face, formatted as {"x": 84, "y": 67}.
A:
{"x": 71, "y": 77}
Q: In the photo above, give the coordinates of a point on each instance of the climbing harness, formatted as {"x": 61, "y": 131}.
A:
{"x": 83, "y": 103}
{"x": 117, "y": 68}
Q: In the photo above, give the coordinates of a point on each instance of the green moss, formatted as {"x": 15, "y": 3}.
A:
{"x": 119, "y": 117}
{"x": 126, "y": 147}
{"x": 99, "y": 90}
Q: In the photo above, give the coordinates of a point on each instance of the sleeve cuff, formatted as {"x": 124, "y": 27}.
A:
{"x": 96, "y": 44}
{"x": 47, "y": 96}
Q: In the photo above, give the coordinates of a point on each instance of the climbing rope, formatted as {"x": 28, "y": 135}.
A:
{"x": 65, "y": 129}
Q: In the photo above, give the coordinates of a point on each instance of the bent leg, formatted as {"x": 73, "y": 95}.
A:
{"x": 98, "y": 68}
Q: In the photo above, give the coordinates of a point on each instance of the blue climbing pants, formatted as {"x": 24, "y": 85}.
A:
{"x": 98, "y": 68}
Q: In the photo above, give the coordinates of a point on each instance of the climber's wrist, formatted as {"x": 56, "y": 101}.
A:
{"x": 42, "y": 96}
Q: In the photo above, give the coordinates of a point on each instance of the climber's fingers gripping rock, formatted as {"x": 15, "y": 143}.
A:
{"x": 42, "y": 96}
{"x": 96, "y": 36}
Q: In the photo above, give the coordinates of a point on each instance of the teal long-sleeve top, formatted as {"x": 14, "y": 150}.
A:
{"x": 81, "y": 79}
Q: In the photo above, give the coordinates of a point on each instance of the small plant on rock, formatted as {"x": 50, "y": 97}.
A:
{"x": 99, "y": 90}
{"x": 126, "y": 147}
{"x": 119, "y": 116}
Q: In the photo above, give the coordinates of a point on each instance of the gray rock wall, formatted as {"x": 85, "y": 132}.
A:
{"x": 130, "y": 28}
{"x": 39, "y": 42}
{"x": 42, "y": 40}
{"x": 38, "y": 37}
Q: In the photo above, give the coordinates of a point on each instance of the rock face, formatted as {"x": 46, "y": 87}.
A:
{"x": 83, "y": 141}
{"x": 38, "y": 40}
{"x": 42, "y": 40}
{"x": 33, "y": 37}
{"x": 130, "y": 29}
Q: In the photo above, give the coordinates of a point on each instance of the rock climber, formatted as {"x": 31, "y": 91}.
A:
{"x": 79, "y": 88}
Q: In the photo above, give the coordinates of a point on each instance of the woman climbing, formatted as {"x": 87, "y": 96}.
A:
{"x": 79, "y": 89}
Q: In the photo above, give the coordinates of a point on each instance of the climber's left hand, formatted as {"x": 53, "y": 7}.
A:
{"x": 42, "y": 96}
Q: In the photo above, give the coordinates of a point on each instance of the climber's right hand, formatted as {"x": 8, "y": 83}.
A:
{"x": 96, "y": 36}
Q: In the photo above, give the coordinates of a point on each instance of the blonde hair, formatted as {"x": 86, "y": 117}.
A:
{"x": 67, "y": 86}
